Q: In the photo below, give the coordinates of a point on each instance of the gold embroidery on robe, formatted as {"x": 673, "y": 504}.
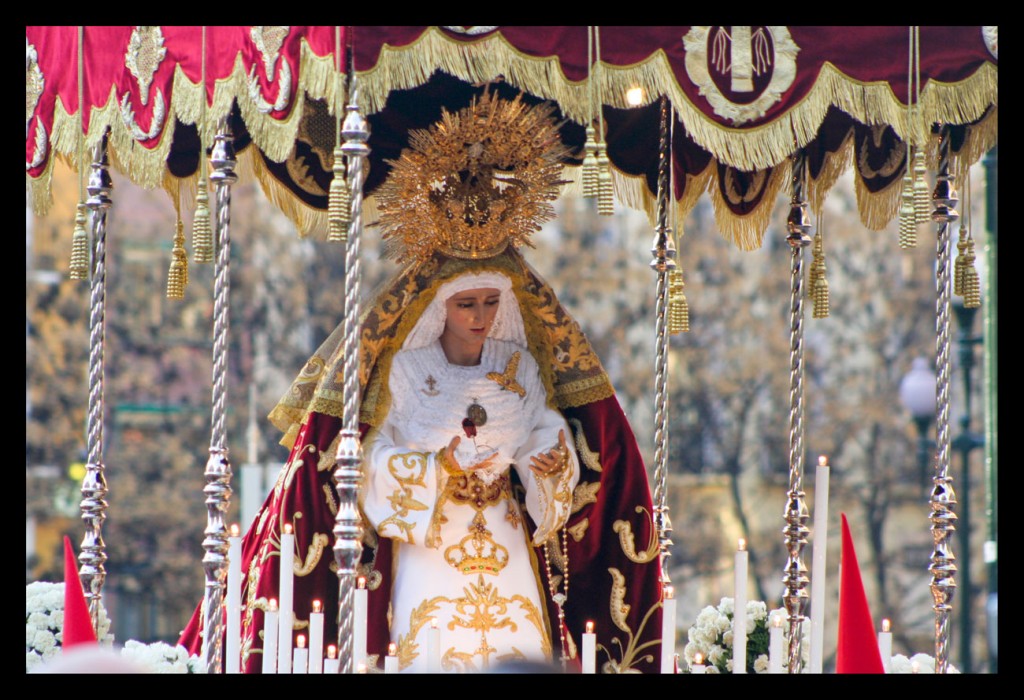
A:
{"x": 414, "y": 466}
{"x": 626, "y": 540}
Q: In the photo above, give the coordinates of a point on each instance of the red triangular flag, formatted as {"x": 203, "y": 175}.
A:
{"x": 77, "y": 623}
{"x": 858, "y": 643}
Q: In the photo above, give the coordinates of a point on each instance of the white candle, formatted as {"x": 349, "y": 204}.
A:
{"x": 589, "y": 659}
{"x": 818, "y": 569}
{"x": 232, "y": 659}
{"x": 270, "y": 638}
{"x": 359, "y": 606}
{"x": 775, "y": 652}
{"x": 698, "y": 664}
{"x": 300, "y": 657}
{"x": 391, "y": 660}
{"x": 668, "y": 632}
{"x": 885, "y": 646}
{"x": 285, "y": 626}
{"x": 331, "y": 662}
{"x": 433, "y": 647}
{"x": 316, "y": 639}
{"x": 739, "y": 611}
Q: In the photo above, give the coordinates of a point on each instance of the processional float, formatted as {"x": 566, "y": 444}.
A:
{"x": 658, "y": 115}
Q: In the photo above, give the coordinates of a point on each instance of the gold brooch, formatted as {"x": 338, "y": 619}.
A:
{"x": 507, "y": 379}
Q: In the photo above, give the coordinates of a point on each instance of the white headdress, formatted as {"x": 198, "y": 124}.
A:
{"x": 508, "y": 322}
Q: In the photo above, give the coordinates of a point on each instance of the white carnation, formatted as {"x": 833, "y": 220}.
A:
{"x": 711, "y": 669}
{"x": 761, "y": 664}
{"x": 725, "y": 607}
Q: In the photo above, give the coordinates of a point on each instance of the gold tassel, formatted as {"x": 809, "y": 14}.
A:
{"x": 922, "y": 195}
{"x": 202, "y": 233}
{"x": 590, "y": 167}
{"x": 339, "y": 202}
{"x": 972, "y": 285}
{"x": 678, "y": 308}
{"x": 818, "y": 284}
{"x": 177, "y": 275}
{"x": 958, "y": 265}
{"x": 79, "y": 266}
{"x": 908, "y": 214}
{"x": 605, "y": 192}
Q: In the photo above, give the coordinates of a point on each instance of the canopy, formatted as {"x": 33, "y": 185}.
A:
{"x": 743, "y": 99}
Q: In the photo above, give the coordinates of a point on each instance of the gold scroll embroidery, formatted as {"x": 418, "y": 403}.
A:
{"x": 626, "y": 540}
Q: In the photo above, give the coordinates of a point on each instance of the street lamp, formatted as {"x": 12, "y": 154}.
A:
{"x": 917, "y": 394}
{"x": 964, "y": 443}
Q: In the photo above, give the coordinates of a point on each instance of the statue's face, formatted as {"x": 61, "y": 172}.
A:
{"x": 470, "y": 317}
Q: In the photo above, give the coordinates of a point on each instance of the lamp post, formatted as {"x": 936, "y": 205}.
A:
{"x": 917, "y": 394}
{"x": 964, "y": 443}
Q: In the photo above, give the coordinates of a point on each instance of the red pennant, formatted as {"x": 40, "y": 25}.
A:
{"x": 858, "y": 644}
{"x": 77, "y": 623}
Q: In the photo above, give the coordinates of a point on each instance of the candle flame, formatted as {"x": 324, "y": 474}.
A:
{"x": 316, "y": 606}
{"x": 823, "y": 461}
{"x": 777, "y": 620}
{"x": 698, "y": 659}
{"x": 433, "y": 623}
{"x": 885, "y": 625}
{"x": 669, "y": 592}
{"x": 300, "y": 641}
{"x": 741, "y": 544}
{"x": 332, "y": 651}
{"x": 272, "y": 604}
{"x": 234, "y": 530}
{"x": 361, "y": 667}
{"x": 914, "y": 668}
{"x": 287, "y": 528}
{"x": 392, "y": 649}
{"x": 361, "y": 582}
{"x": 635, "y": 96}
{"x": 590, "y": 627}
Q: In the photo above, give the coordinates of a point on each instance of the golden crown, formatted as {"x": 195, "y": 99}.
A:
{"x": 477, "y": 553}
{"x": 474, "y": 183}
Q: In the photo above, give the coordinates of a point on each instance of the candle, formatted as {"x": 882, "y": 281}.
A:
{"x": 316, "y": 638}
{"x": 391, "y": 660}
{"x": 668, "y": 631}
{"x": 361, "y": 668}
{"x": 775, "y": 652}
{"x": 914, "y": 668}
{"x": 885, "y": 646}
{"x": 698, "y": 664}
{"x": 433, "y": 647}
{"x": 285, "y": 625}
{"x": 233, "y": 658}
{"x": 589, "y": 658}
{"x": 359, "y": 606}
{"x": 300, "y": 657}
{"x": 270, "y": 638}
{"x": 739, "y": 611}
{"x": 818, "y": 576}
{"x": 331, "y": 662}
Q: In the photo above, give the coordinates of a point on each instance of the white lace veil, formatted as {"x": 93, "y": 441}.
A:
{"x": 508, "y": 323}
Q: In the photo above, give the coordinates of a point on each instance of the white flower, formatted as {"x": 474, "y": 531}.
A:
{"x": 761, "y": 664}
{"x": 757, "y": 610}
{"x": 32, "y": 660}
{"x": 711, "y": 669}
{"x": 38, "y": 620}
{"x": 159, "y": 657}
{"x": 44, "y": 642}
{"x": 727, "y": 638}
{"x": 728, "y": 666}
{"x": 715, "y": 655}
{"x": 725, "y": 607}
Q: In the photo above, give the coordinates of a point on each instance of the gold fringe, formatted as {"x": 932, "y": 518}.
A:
{"x": 678, "y": 309}
{"x": 78, "y": 269}
{"x": 590, "y": 169}
{"x": 818, "y": 285}
{"x": 971, "y": 284}
{"x": 836, "y": 163}
{"x": 177, "y": 275}
{"x": 877, "y": 209}
{"x": 202, "y": 229}
{"x": 306, "y": 219}
{"x": 958, "y": 265}
{"x": 747, "y": 232}
{"x": 908, "y": 214}
{"x": 339, "y": 201}
{"x": 605, "y": 188}
{"x": 922, "y": 194}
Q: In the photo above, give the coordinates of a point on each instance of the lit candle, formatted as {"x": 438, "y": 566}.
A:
{"x": 698, "y": 663}
{"x": 914, "y": 668}
{"x": 361, "y": 667}
{"x": 739, "y": 611}
{"x": 818, "y": 569}
{"x": 359, "y": 606}
{"x": 433, "y": 647}
{"x": 270, "y": 638}
{"x": 589, "y": 658}
{"x": 300, "y": 657}
{"x": 391, "y": 660}
{"x": 668, "y": 631}
{"x": 775, "y": 652}
{"x": 885, "y": 646}
{"x": 233, "y": 657}
{"x": 285, "y": 626}
{"x": 331, "y": 662}
{"x": 316, "y": 639}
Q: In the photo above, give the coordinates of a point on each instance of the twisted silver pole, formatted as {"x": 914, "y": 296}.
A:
{"x": 795, "y": 574}
{"x": 663, "y": 251}
{"x": 218, "y": 468}
{"x": 943, "y": 498}
{"x": 93, "y": 554}
{"x": 348, "y": 528}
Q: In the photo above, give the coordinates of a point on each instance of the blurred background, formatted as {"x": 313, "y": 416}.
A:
{"x": 728, "y": 397}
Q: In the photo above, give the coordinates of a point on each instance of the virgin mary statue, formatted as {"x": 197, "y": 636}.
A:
{"x": 504, "y": 498}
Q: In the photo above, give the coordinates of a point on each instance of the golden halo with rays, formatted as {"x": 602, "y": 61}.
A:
{"x": 479, "y": 180}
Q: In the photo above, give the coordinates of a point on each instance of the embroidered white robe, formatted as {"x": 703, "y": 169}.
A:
{"x": 462, "y": 554}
